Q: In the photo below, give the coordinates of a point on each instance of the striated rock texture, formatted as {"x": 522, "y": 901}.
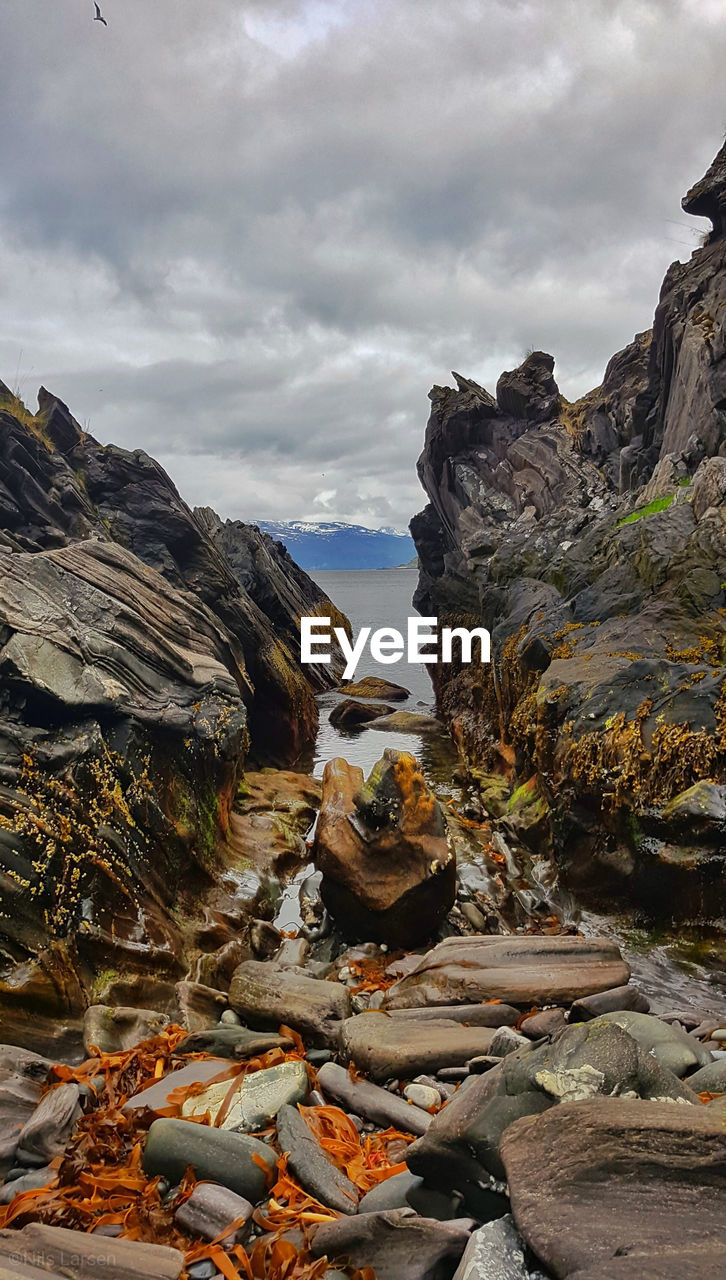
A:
{"x": 590, "y": 538}
{"x": 136, "y": 665}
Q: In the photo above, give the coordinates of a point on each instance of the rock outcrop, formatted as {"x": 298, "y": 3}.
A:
{"x": 137, "y": 663}
{"x": 590, "y": 538}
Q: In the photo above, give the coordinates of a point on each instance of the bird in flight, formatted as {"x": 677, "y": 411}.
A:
{"x": 99, "y": 17}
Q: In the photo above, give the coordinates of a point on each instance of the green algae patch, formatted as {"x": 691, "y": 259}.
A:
{"x": 658, "y": 504}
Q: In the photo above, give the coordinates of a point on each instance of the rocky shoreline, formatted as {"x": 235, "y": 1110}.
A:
{"x": 255, "y": 1025}
{"x": 502, "y": 1103}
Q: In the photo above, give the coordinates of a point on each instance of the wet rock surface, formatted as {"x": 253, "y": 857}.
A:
{"x": 389, "y": 872}
{"x": 589, "y": 539}
{"x": 582, "y": 1218}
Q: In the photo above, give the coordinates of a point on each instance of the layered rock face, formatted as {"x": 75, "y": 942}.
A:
{"x": 135, "y": 668}
{"x": 590, "y": 538}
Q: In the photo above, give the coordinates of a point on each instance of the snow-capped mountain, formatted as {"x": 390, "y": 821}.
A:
{"x": 320, "y": 545}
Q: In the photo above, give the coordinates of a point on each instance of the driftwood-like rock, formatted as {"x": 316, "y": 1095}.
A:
{"x": 520, "y": 970}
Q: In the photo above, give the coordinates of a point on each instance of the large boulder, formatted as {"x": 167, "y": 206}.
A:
{"x": 519, "y": 970}
{"x": 389, "y": 872}
{"x": 611, "y": 1189}
{"x": 268, "y": 996}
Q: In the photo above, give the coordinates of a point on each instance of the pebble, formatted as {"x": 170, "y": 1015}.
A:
{"x": 216, "y": 1155}
{"x": 507, "y": 1041}
{"x": 257, "y": 1099}
{"x": 230, "y": 1019}
{"x": 46, "y": 1133}
{"x": 422, "y": 1096}
{"x": 26, "y": 1182}
{"x": 719, "y": 1035}
{"x": 211, "y": 1208}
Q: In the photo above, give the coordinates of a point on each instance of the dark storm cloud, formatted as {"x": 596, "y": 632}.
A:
{"x": 248, "y": 236}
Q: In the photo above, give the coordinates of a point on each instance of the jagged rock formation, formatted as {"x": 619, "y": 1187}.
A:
{"x": 137, "y": 662}
{"x": 591, "y": 539}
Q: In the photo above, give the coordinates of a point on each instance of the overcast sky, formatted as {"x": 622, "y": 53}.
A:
{"x": 248, "y": 237}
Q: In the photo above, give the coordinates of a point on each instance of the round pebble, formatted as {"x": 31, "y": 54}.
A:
{"x": 422, "y": 1095}
{"x": 230, "y": 1019}
{"x": 719, "y": 1035}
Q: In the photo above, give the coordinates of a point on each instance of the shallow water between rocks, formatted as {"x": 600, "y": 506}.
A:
{"x": 678, "y": 971}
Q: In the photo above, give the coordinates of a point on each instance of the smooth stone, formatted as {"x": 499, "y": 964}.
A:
{"x": 265, "y": 939}
{"x": 673, "y": 1048}
{"x": 494, "y": 1252}
{"x": 234, "y": 1160}
{"x": 26, "y": 1182}
{"x": 88, "y": 1257}
{"x": 391, "y": 1194}
{"x": 383, "y": 1048}
{"x": 548, "y": 1023}
{"x": 458, "y": 1073}
{"x": 719, "y": 1035}
{"x": 156, "y": 1096}
{"x": 710, "y": 1079}
{"x": 376, "y": 687}
{"x": 397, "y": 1245}
{"x": 613, "y": 1001}
{"x": 517, "y": 969}
{"x": 203, "y": 1270}
{"x": 266, "y": 995}
{"x": 444, "y": 1156}
{"x": 617, "y": 1189}
{"x": 507, "y": 1041}
{"x": 255, "y": 1102}
{"x": 116, "y": 1030}
{"x": 472, "y": 1015}
{"x": 226, "y": 1041}
{"x": 310, "y": 1165}
{"x": 430, "y": 1203}
{"x": 229, "y": 1018}
{"x": 422, "y": 1096}
{"x": 318, "y": 1057}
{"x": 370, "y": 1100}
{"x": 210, "y": 1209}
{"x": 484, "y": 1136}
{"x": 46, "y": 1134}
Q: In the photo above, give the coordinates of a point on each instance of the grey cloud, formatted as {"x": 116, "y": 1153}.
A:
{"x": 248, "y": 236}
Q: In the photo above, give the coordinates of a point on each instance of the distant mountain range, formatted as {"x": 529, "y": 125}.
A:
{"x": 318, "y": 545}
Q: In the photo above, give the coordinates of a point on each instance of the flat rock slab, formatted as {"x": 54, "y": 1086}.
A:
{"x": 233, "y": 1042}
{"x": 268, "y": 996}
{"x": 398, "y": 1245}
{"x": 79, "y": 1256}
{"x": 310, "y": 1164}
{"x": 619, "y": 1188}
{"x": 255, "y": 1101}
{"x": 518, "y": 970}
{"x": 385, "y": 1048}
{"x": 473, "y": 1015}
{"x": 371, "y": 1102}
{"x": 232, "y": 1159}
{"x": 157, "y": 1096}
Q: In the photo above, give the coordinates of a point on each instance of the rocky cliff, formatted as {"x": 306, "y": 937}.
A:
{"x": 591, "y": 539}
{"x": 140, "y": 660}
